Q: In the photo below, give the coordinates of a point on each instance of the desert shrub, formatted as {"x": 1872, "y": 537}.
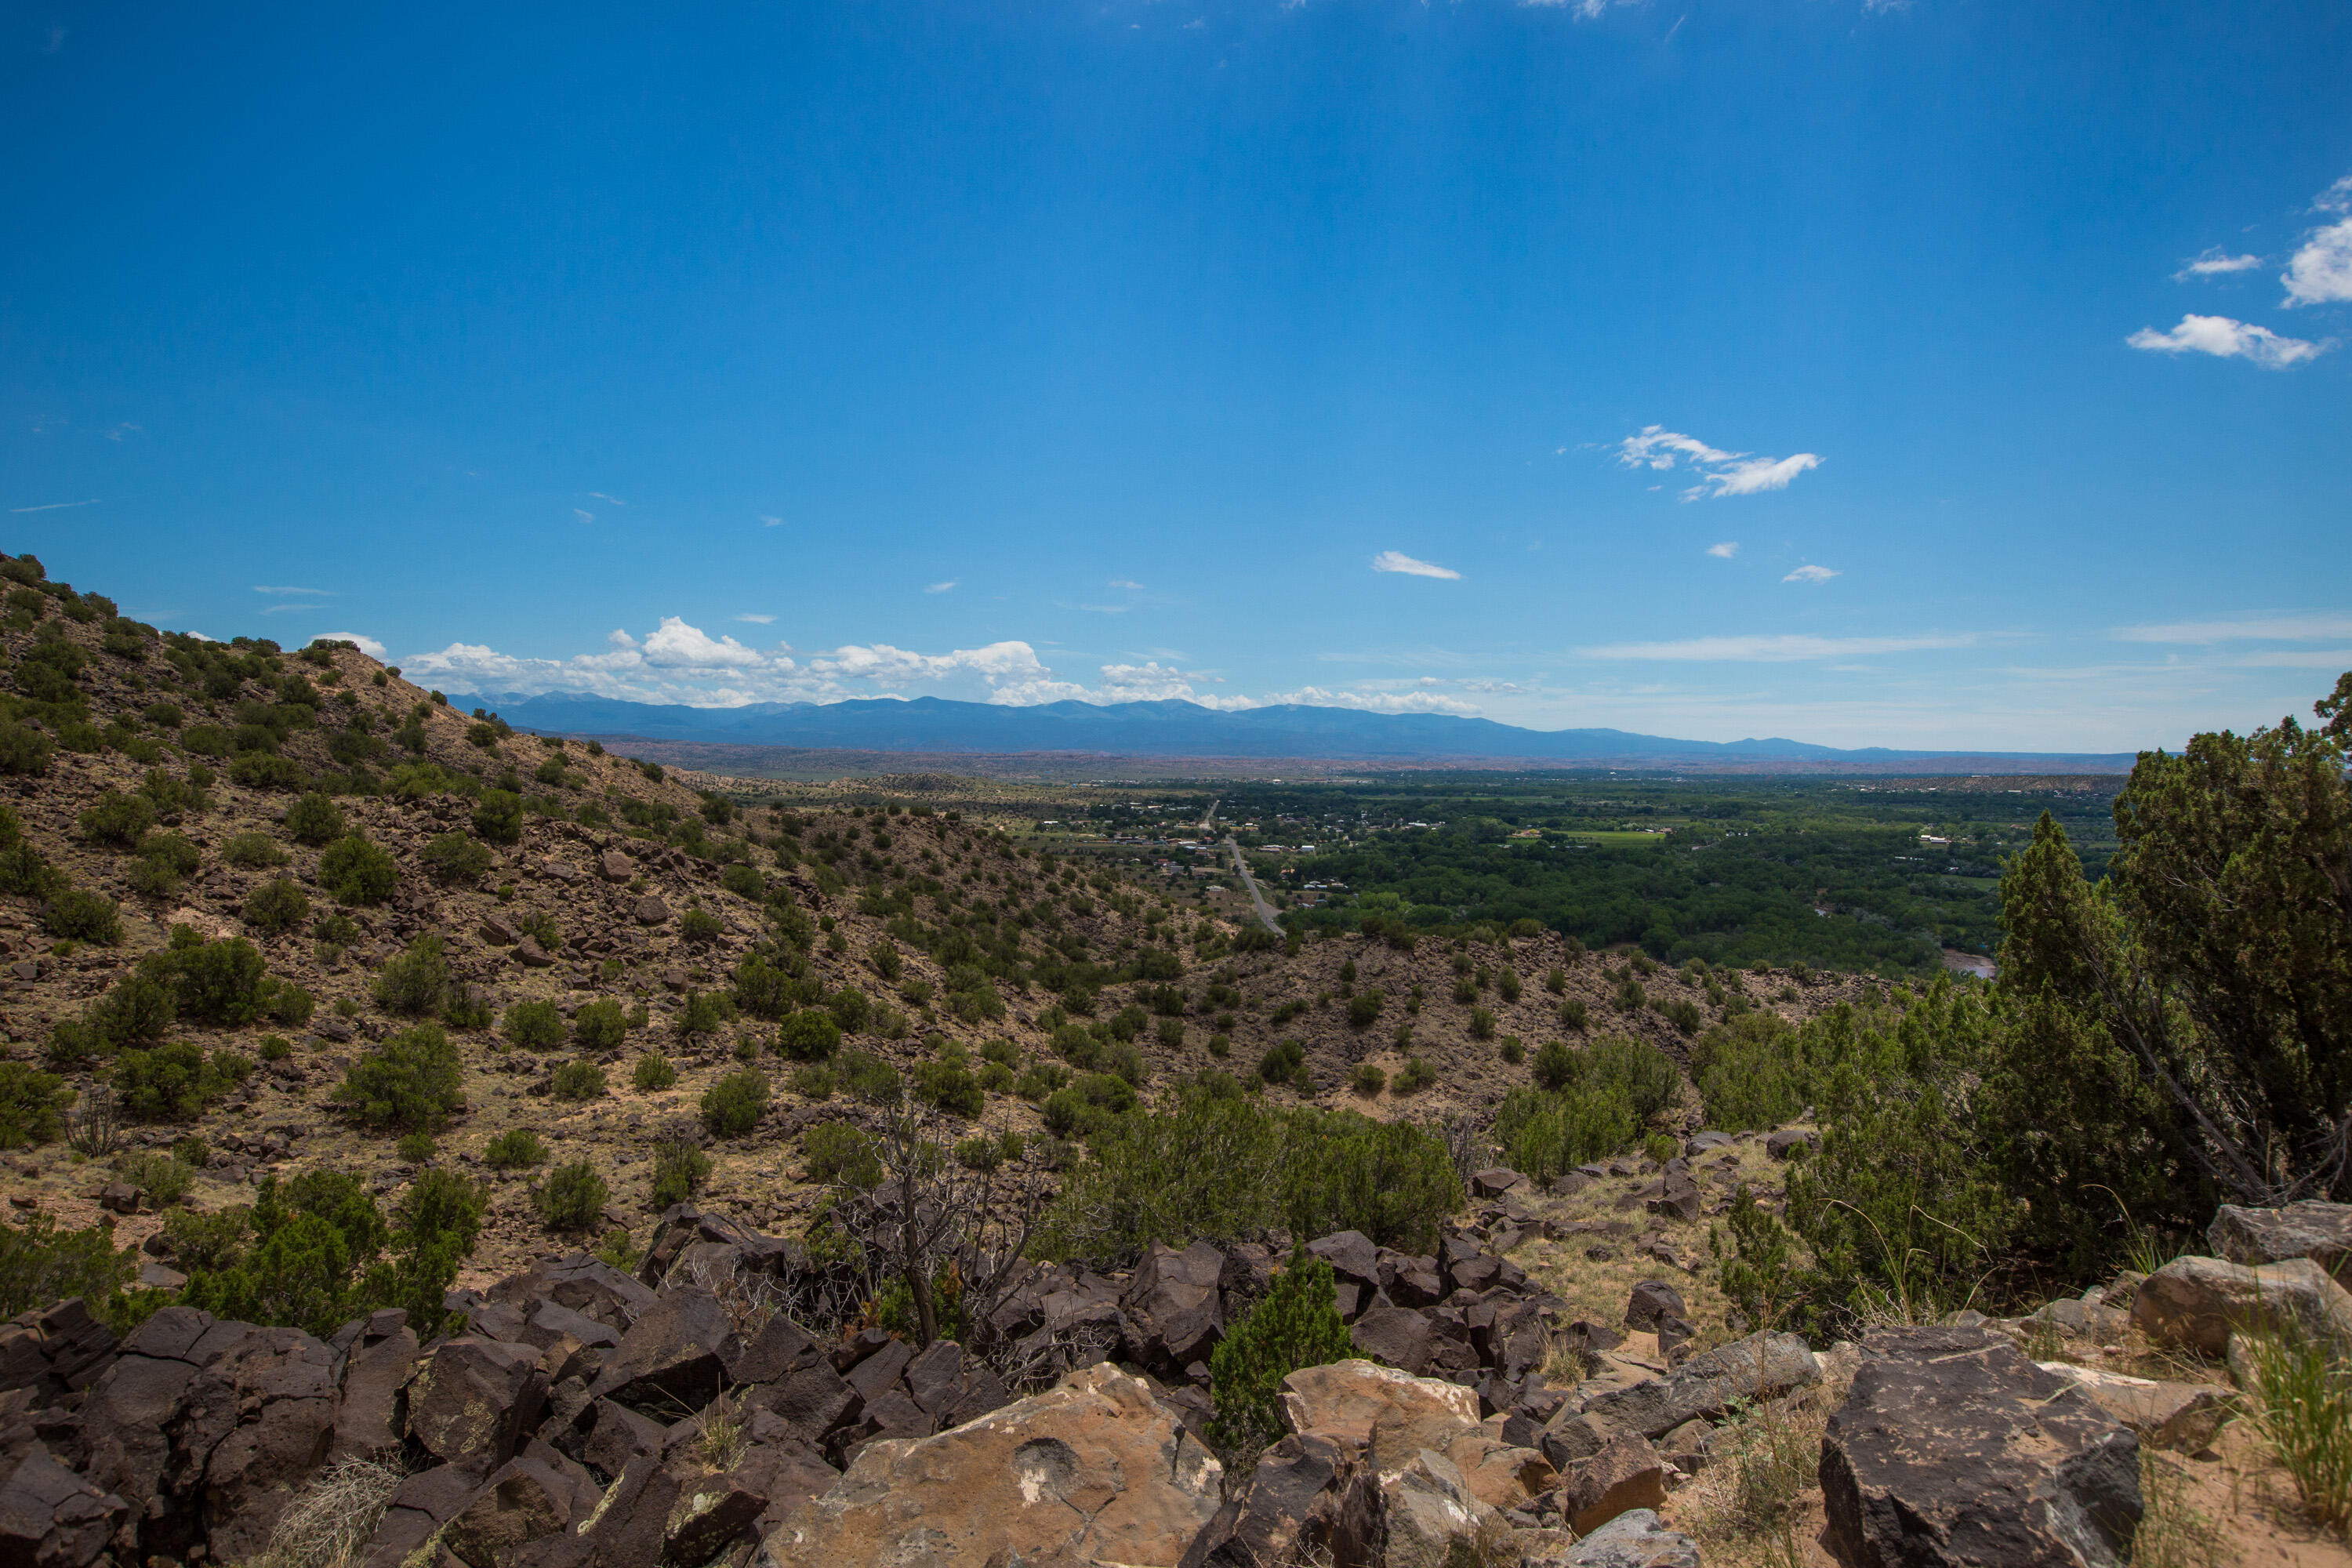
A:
{"x": 1755, "y": 1071}
{"x": 356, "y": 870}
{"x": 498, "y": 816}
{"x": 1414, "y": 1076}
{"x": 573, "y": 1197}
{"x": 1544, "y": 1134}
{"x": 600, "y": 1025}
{"x": 83, "y": 915}
{"x": 814, "y": 1080}
{"x": 253, "y": 852}
{"x": 410, "y": 1082}
{"x": 117, "y": 820}
{"x": 679, "y": 1168}
{"x": 868, "y": 1077}
{"x": 40, "y": 1264}
{"x": 808, "y": 1036}
{"x": 32, "y": 1103}
{"x": 1368, "y": 1081}
{"x": 164, "y": 1178}
{"x": 455, "y": 860}
{"x": 315, "y": 820}
{"x": 950, "y": 1086}
{"x": 733, "y": 1106}
{"x": 1297, "y": 1324}
{"x": 136, "y": 1010}
{"x": 850, "y": 1009}
{"x": 1282, "y": 1061}
{"x": 261, "y": 770}
{"x": 1555, "y": 1065}
{"x": 1573, "y": 1014}
{"x": 1482, "y": 1024}
{"x": 417, "y": 980}
{"x": 1039, "y": 1079}
{"x": 535, "y": 1026}
{"x": 838, "y": 1153}
{"x": 702, "y": 1014}
{"x": 1684, "y": 1015}
{"x": 174, "y": 1082}
{"x": 286, "y": 1004}
{"x": 24, "y": 753}
{"x": 1091, "y": 1102}
{"x": 653, "y": 1071}
{"x": 699, "y": 927}
{"x": 278, "y": 906}
{"x": 516, "y": 1149}
{"x": 165, "y": 859}
{"x": 1364, "y": 1008}
{"x": 201, "y": 1242}
{"x": 576, "y": 1080}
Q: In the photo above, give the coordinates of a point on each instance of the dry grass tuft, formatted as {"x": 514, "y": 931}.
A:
{"x": 2173, "y": 1533}
{"x": 330, "y": 1524}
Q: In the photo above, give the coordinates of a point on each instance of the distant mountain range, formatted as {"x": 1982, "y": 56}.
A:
{"x": 1176, "y": 729}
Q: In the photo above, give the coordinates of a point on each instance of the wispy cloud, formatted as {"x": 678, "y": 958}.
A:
{"x": 1725, "y": 550}
{"x": 770, "y": 521}
{"x": 2215, "y": 263}
{"x": 2313, "y": 628}
{"x": 124, "y": 429}
{"x": 2320, "y": 272}
{"x": 311, "y": 592}
{"x": 53, "y": 506}
{"x": 943, "y": 587}
{"x": 757, "y": 620}
{"x": 288, "y": 607}
{"x": 584, "y": 515}
{"x": 1772, "y": 649}
{"x": 1810, "y": 574}
{"x": 1398, "y": 561}
{"x": 600, "y": 495}
{"x": 1719, "y": 473}
{"x": 1123, "y": 583}
{"x": 2225, "y": 339}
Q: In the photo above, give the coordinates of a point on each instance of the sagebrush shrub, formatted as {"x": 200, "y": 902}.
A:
{"x": 573, "y": 1197}
{"x": 576, "y": 1080}
{"x": 653, "y": 1071}
{"x": 314, "y": 820}
{"x": 409, "y": 1083}
{"x": 600, "y": 1025}
{"x": 82, "y": 915}
{"x": 356, "y": 870}
{"x": 534, "y": 1026}
{"x": 415, "y": 981}
{"x": 515, "y": 1148}
{"x": 734, "y": 1105}
{"x": 278, "y": 906}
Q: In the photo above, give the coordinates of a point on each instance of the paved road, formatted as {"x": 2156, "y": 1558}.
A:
{"x": 1249, "y": 883}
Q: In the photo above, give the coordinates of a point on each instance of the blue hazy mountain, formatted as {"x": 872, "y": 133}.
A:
{"x": 1165, "y": 729}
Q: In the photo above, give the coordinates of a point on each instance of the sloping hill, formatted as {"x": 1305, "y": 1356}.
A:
{"x": 163, "y": 790}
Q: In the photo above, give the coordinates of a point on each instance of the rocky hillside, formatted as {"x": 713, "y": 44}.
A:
{"x": 163, "y": 783}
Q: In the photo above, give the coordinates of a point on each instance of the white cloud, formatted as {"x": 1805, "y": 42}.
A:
{"x": 311, "y": 592}
{"x": 1725, "y": 550}
{"x": 1785, "y": 648}
{"x": 675, "y": 644}
{"x": 124, "y": 429}
{"x": 1398, "y": 561}
{"x": 584, "y": 515}
{"x": 943, "y": 587}
{"x": 600, "y": 495}
{"x": 2260, "y": 628}
{"x": 757, "y": 620}
{"x": 2215, "y": 263}
{"x": 51, "y": 506}
{"x": 367, "y": 645}
{"x": 1719, "y": 473}
{"x": 1810, "y": 574}
{"x": 2225, "y": 339}
{"x": 2320, "y": 272}
{"x": 1123, "y": 583}
{"x": 770, "y": 521}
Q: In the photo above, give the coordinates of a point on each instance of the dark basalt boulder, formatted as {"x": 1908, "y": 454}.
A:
{"x": 474, "y": 1399}
{"x": 586, "y": 1284}
{"x": 52, "y": 1518}
{"x": 1954, "y": 1451}
{"x": 674, "y": 1355}
{"x": 1310, "y": 1499}
{"x": 1173, "y": 1308}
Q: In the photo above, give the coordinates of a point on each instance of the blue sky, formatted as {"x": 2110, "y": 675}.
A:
{"x": 1936, "y": 374}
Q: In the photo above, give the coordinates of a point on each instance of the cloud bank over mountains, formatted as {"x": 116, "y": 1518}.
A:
{"x": 681, "y": 663}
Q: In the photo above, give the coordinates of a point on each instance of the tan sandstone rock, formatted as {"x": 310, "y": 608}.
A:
{"x": 1094, "y": 1467}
